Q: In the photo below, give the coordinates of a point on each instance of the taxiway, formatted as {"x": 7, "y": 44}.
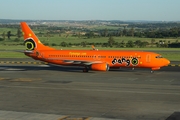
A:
{"x": 117, "y": 94}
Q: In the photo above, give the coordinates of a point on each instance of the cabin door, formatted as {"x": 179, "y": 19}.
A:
{"x": 148, "y": 58}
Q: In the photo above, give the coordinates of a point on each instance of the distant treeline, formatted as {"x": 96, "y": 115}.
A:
{"x": 141, "y": 30}
{"x": 111, "y": 43}
{"x": 147, "y": 33}
{"x": 173, "y": 32}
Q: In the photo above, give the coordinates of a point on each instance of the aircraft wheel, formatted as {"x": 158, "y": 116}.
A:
{"x": 85, "y": 69}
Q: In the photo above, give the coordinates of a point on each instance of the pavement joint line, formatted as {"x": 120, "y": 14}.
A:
{"x": 1, "y": 78}
{"x": 64, "y": 117}
{"x": 96, "y": 90}
{"x": 20, "y": 79}
{"x": 21, "y": 62}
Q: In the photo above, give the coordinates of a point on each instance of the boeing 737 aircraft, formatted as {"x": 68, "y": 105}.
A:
{"x": 100, "y": 60}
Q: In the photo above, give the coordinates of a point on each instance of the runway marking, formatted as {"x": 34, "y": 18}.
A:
{"x": 25, "y": 79}
{"x": 96, "y": 90}
{"x": 70, "y": 118}
{"x": 3, "y": 79}
{"x": 63, "y": 118}
{"x": 13, "y": 115}
{"x": 20, "y": 79}
{"x": 13, "y": 69}
{"x": 171, "y": 65}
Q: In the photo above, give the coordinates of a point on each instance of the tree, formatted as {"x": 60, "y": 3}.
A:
{"x": 124, "y": 31}
{"x": 132, "y": 32}
{"x": 121, "y": 33}
{"x": 130, "y": 44}
{"x": 9, "y": 34}
{"x": 19, "y": 34}
{"x": 84, "y": 43}
{"x": 138, "y": 34}
{"x": 79, "y": 35}
{"x": 105, "y": 32}
{"x": 143, "y": 44}
{"x": 111, "y": 41}
{"x": 152, "y": 41}
{"x": 174, "y": 32}
{"x": 122, "y": 44}
{"x": 151, "y": 34}
{"x": 137, "y": 43}
{"x": 4, "y": 36}
{"x": 54, "y": 44}
{"x": 89, "y": 34}
{"x": 63, "y": 44}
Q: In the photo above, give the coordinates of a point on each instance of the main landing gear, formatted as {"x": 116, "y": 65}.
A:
{"x": 86, "y": 69}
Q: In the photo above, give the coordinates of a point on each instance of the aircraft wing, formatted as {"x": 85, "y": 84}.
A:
{"x": 78, "y": 62}
{"x": 83, "y": 62}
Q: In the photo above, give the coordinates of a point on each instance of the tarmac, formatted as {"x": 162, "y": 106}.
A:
{"x": 44, "y": 92}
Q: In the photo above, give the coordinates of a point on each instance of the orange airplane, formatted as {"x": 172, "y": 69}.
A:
{"x": 100, "y": 60}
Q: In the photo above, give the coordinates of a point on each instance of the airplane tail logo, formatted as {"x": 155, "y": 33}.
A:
{"x": 30, "y": 44}
{"x": 31, "y": 41}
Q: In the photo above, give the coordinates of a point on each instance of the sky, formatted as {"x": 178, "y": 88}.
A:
{"x": 151, "y": 10}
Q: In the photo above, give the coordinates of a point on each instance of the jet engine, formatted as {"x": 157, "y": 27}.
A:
{"x": 100, "y": 66}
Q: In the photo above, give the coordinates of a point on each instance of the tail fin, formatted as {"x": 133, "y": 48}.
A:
{"x": 31, "y": 40}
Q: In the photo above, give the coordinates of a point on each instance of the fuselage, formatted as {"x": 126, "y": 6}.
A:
{"x": 114, "y": 58}
{"x": 100, "y": 60}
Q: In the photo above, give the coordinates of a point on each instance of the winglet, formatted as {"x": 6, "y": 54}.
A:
{"x": 93, "y": 47}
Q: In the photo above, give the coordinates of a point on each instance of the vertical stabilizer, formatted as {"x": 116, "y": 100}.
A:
{"x": 31, "y": 41}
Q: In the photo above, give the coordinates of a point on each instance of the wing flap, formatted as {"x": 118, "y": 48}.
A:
{"x": 84, "y": 62}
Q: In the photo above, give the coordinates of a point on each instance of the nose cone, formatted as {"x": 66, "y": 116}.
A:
{"x": 166, "y": 62}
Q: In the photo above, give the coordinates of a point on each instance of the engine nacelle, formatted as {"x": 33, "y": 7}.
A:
{"x": 100, "y": 66}
{"x": 155, "y": 68}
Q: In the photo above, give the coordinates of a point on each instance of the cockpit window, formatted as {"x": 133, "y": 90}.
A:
{"x": 159, "y": 56}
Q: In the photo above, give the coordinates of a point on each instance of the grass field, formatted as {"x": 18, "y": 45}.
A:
{"x": 13, "y": 30}
{"x": 70, "y": 39}
{"x": 58, "y": 40}
{"x": 8, "y": 47}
